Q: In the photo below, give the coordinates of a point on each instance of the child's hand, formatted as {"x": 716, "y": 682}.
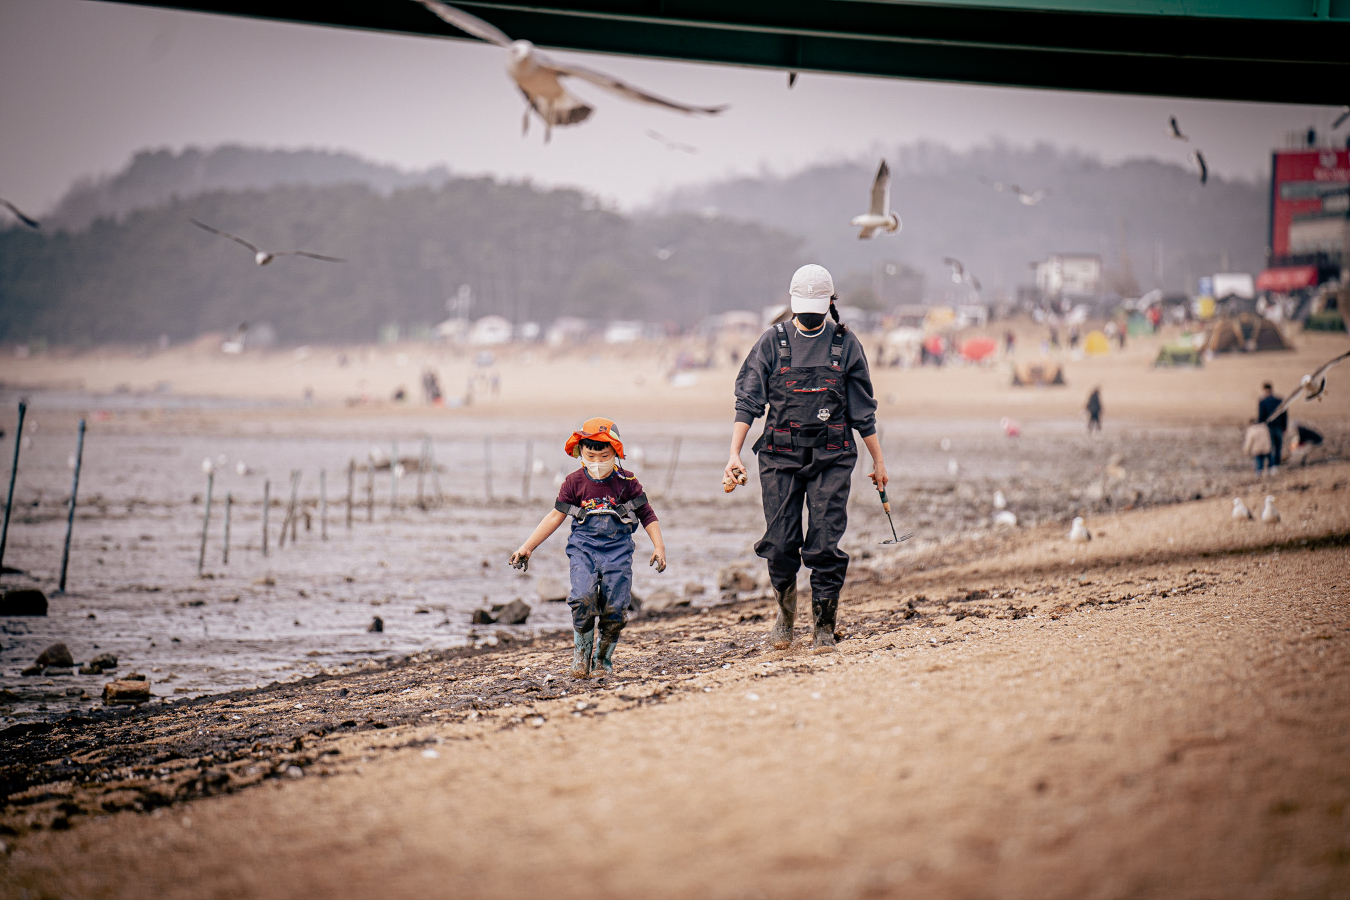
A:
{"x": 521, "y": 560}
{"x": 658, "y": 560}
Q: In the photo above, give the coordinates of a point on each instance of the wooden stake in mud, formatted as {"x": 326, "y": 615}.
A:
{"x": 290, "y": 511}
{"x": 267, "y": 505}
{"x": 206, "y": 520}
{"x": 13, "y": 471}
{"x": 70, "y": 516}
{"x": 435, "y": 473}
{"x": 422, "y": 476}
{"x": 674, "y": 462}
{"x": 529, "y": 466}
{"x": 487, "y": 465}
{"x": 229, "y": 505}
{"x": 393, "y": 480}
{"x": 323, "y": 504}
{"x": 351, "y": 485}
{"x": 370, "y": 491}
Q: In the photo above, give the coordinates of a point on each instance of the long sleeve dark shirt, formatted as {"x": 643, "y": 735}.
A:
{"x": 752, "y": 395}
{"x": 1268, "y": 405}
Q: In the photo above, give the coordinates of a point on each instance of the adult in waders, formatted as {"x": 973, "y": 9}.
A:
{"x": 812, "y": 376}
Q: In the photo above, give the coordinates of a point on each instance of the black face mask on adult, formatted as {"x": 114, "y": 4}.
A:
{"x": 810, "y": 321}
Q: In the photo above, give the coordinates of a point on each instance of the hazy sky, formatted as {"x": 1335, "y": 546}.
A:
{"x": 85, "y": 84}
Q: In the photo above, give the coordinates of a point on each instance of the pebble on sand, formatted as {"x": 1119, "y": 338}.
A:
{"x": 23, "y": 602}
{"x": 135, "y": 688}
{"x": 514, "y": 613}
{"x": 551, "y": 590}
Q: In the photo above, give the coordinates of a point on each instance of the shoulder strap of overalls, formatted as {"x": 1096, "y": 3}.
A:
{"x": 837, "y": 348}
{"x": 783, "y": 349}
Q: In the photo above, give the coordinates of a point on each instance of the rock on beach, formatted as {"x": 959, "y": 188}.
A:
{"x": 23, "y": 602}
{"x": 135, "y": 688}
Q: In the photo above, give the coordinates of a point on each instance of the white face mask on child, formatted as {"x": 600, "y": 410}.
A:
{"x": 599, "y": 470}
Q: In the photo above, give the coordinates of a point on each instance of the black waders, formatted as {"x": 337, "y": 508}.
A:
{"x": 806, "y": 459}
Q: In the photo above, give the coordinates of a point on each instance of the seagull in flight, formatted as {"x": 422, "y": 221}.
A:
{"x": 1311, "y": 387}
{"x": 1029, "y": 198}
{"x": 1199, "y": 159}
{"x": 31, "y": 223}
{"x": 879, "y": 213}
{"x": 539, "y": 77}
{"x": 1174, "y": 130}
{"x": 669, "y": 143}
{"x": 1026, "y": 198}
{"x": 960, "y": 275}
{"x": 261, "y": 256}
{"x": 1340, "y": 120}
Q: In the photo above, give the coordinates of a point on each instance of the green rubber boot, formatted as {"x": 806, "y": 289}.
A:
{"x": 581, "y": 653}
{"x": 780, "y": 638}
{"x": 824, "y": 611}
{"x": 604, "y": 654}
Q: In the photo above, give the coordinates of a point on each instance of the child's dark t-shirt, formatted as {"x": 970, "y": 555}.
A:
{"x": 580, "y": 489}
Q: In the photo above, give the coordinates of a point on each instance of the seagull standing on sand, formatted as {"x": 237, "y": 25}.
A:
{"x": 31, "y": 223}
{"x": 539, "y": 77}
{"x": 261, "y": 256}
{"x": 1270, "y": 515}
{"x": 1310, "y": 387}
{"x": 1078, "y": 532}
{"x": 1240, "y": 510}
{"x": 879, "y": 215}
{"x": 959, "y": 273}
{"x": 1000, "y": 501}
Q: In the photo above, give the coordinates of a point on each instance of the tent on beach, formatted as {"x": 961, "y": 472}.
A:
{"x": 1246, "y": 332}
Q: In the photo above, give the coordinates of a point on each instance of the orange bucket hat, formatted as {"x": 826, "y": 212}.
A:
{"x": 597, "y": 429}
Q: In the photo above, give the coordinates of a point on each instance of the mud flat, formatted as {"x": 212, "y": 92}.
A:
{"x": 1159, "y": 712}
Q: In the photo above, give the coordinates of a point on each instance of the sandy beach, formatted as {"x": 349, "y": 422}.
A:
{"x": 1158, "y": 712}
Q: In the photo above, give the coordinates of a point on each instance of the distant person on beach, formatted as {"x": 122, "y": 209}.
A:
{"x": 1264, "y": 407}
{"x": 1009, "y": 342}
{"x": 606, "y": 504}
{"x": 1256, "y": 444}
{"x": 1054, "y": 337}
{"x": 812, "y": 376}
{"x": 1094, "y": 411}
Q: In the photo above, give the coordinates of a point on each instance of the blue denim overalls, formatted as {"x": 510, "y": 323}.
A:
{"x": 600, "y": 556}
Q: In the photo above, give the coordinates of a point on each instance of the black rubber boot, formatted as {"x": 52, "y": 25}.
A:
{"x": 780, "y": 638}
{"x": 604, "y": 653}
{"x": 824, "y": 610}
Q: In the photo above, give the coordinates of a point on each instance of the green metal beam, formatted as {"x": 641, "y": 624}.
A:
{"x": 1263, "y": 50}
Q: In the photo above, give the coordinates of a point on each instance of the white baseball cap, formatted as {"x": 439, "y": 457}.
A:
{"x": 812, "y": 288}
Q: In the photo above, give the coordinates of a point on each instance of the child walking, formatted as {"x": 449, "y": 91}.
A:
{"x": 606, "y": 504}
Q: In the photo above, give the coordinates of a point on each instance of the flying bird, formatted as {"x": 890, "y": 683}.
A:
{"x": 792, "y": 79}
{"x": 1029, "y": 198}
{"x": 31, "y": 223}
{"x": 1199, "y": 159}
{"x": 1340, "y": 120}
{"x": 1311, "y": 386}
{"x": 539, "y": 77}
{"x": 959, "y": 273}
{"x": 1026, "y": 198}
{"x": 1240, "y": 510}
{"x": 669, "y": 143}
{"x": 260, "y": 256}
{"x": 1174, "y": 130}
{"x": 879, "y": 213}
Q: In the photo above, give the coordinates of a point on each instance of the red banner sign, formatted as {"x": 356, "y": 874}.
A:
{"x": 1302, "y": 179}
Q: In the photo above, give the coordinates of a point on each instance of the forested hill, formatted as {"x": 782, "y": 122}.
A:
{"x": 950, "y": 208}
{"x": 528, "y": 254}
{"x": 154, "y": 177}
